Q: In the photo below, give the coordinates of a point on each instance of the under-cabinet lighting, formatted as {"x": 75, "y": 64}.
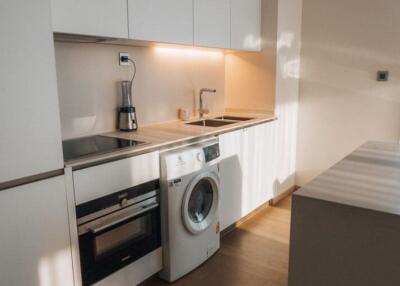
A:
{"x": 189, "y": 52}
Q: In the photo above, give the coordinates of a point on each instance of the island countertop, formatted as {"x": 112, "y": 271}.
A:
{"x": 367, "y": 178}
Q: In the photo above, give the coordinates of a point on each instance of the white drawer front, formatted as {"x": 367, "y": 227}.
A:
{"x": 109, "y": 178}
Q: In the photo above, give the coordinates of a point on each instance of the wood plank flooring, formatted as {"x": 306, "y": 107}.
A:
{"x": 255, "y": 254}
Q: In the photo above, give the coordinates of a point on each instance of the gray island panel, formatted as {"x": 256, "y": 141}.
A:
{"x": 345, "y": 227}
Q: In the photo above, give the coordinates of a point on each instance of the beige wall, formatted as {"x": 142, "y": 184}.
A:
{"x": 341, "y": 104}
{"x": 250, "y": 77}
{"x": 287, "y": 90}
{"x": 167, "y": 79}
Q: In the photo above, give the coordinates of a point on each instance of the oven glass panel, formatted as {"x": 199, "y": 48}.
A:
{"x": 128, "y": 232}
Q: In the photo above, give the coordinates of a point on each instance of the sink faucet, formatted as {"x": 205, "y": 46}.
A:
{"x": 202, "y": 110}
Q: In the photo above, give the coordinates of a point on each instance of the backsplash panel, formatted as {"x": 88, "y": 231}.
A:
{"x": 88, "y": 78}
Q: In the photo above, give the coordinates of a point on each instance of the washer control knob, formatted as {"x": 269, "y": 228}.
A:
{"x": 200, "y": 157}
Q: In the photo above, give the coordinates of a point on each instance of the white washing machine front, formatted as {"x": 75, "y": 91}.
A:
{"x": 190, "y": 207}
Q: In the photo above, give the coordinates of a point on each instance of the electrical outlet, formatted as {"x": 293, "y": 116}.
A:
{"x": 382, "y": 76}
{"x": 123, "y": 59}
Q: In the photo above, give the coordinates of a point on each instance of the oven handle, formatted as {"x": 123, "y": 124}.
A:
{"x": 141, "y": 210}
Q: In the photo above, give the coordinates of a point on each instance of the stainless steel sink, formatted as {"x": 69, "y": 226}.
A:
{"x": 211, "y": 123}
{"x": 234, "y": 118}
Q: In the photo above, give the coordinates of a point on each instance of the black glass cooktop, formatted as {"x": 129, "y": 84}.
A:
{"x": 94, "y": 145}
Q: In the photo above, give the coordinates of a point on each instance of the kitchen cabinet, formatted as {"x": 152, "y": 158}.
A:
{"x": 30, "y": 132}
{"x": 102, "y": 180}
{"x": 246, "y": 25}
{"x": 167, "y": 21}
{"x": 228, "y": 24}
{"x": 34, "y": 241}
{"x": 258, "y": 166}
{"x": 247, "y": 171}
{"x": 231, "y": 174}
{"x": 212, "y": 23}
{"x": 107, "y": 18}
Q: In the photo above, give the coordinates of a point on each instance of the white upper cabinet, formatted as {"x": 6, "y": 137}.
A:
{"x": 30, "y": 133}
{"x": 246, "y": 25}
{"x": 212, "y": 23}
{"x": 168, "y": 21}
{"x": 228, "y": 24}
{"x": 107, "y": 18}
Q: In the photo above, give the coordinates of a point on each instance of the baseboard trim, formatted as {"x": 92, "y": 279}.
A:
{"x": 233, "y": 226}
{"x": 268, "y": 204}
{"x": 284, "y": 195}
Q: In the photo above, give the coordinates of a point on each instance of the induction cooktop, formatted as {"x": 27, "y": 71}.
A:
{"x": 94, "y": 145}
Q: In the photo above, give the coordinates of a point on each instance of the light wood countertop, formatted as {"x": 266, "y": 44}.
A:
{"x": 167, "y": 135}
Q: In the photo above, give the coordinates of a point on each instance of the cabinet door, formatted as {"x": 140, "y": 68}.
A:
{"x": 34, "y": 241}
{"x": 258, "y": 166}
{"x": 212, "y": 23}
{"x": 169, "y": 21}
{"x": 231, "y": 174}
{"x": 106, "y": 18}
{"x": 246, "y": 25}
{"x": 30, "y": 133}
{"x": 261, "y": 169}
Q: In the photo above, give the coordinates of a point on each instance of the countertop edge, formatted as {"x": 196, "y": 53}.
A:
{"x": 152, "y": 147}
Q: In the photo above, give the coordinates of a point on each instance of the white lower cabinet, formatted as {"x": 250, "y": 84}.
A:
{"x": 231, "y": 174}
{"x": 247, "y": 171}
{"x": 34, "y": 240}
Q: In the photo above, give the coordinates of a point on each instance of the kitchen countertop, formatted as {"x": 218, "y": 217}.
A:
{"x": 169, "y": 134}
{"x": 367, "y": 178}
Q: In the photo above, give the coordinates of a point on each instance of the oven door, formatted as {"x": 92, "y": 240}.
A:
{"x": 116, "y": 240}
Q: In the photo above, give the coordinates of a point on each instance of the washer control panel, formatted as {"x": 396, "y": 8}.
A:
{"x": 189, "y": 159}
{"x": 211, "y": 152}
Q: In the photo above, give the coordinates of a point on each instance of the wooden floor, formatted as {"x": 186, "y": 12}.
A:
{"x": 255, "y": 254}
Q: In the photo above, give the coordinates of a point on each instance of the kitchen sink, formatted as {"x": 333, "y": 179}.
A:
{"x": 210, "y": 123}
{"x": 234, "y": 118}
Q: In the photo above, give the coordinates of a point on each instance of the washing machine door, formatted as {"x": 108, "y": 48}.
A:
{"x": 200, "y": 203}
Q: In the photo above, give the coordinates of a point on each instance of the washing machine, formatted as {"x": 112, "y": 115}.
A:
{"x": 190, "y": 207}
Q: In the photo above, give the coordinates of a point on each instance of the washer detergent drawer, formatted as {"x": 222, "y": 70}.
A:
{"x": 103, "y": 180}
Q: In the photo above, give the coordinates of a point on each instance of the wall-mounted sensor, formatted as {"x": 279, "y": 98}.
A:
{"x": 124, "y": 59}
{"x": 382, "y": 76}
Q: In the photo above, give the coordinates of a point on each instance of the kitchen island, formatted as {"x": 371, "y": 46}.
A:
{"x": 346, "y": 223}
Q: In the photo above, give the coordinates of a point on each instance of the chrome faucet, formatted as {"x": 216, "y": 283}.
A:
{"x": 203, "y": 110}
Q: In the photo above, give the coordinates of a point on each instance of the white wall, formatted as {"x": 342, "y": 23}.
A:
{"x": 341, "y": 104}
{"x": 88, "y": 82}
{"x": 287, "y": 90}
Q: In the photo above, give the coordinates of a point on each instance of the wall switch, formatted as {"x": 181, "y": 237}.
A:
{"x": 123, "y": 59}
{"x": 382, "y": 76}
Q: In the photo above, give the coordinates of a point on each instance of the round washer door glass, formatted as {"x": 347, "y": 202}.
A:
{"x": 200, "y": 201}
{"x": 200, "y": 205}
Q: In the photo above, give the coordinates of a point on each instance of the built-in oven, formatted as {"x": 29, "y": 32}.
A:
{"x": 118, "y": 229}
